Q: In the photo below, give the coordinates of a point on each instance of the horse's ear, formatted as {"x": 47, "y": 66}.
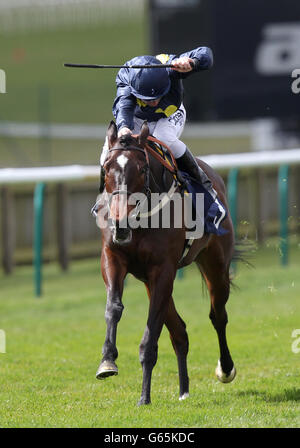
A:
{"x": 112, "y": 134}
{"x": 144, "y": 134}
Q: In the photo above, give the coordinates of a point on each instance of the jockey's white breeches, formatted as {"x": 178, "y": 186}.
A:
{"x": 168, "y": 130}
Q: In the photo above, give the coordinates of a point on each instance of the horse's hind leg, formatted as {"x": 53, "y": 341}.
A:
{"x": 179, "y": 339}
{"x": 216, "y": 273}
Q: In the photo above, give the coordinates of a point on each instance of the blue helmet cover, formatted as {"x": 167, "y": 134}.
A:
{"x": 148, "y": 83}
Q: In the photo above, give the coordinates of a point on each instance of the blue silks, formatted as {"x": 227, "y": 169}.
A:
{"x": 214, "y": 211}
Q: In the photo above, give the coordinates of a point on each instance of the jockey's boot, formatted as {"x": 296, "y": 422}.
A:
{"x": 102, "y": 179}
{"x": 187, "y": 163}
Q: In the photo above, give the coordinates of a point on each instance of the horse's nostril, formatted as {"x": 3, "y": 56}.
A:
{"x": 122, "y": 231}
{"x": 122, "y": 234}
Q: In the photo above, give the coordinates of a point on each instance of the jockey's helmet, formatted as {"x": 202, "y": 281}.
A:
{"x": 150, "y": 83}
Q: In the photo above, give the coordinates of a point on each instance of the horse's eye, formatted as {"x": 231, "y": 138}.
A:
{"x": 143, "y": 170}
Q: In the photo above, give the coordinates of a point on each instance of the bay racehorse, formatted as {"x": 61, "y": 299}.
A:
{"x": 153, "y": 256}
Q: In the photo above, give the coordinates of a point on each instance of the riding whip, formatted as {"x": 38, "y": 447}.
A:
{"x": 118, "y": 66}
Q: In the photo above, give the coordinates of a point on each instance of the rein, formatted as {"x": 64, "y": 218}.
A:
{"x": 146, "y": 151}
{"x": 172, "y": 169}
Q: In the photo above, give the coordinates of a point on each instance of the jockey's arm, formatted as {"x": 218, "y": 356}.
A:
{"x": 183, "y": 65}
{"x": 200, "y": 58}
{"x": 123, "y": 109}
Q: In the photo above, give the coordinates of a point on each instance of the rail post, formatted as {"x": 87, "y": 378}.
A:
{"x": 38, "y": 206}
{"x": 232, "y": 184}
{"x": 283, "y": 190}
{"x": 180, "y": 274}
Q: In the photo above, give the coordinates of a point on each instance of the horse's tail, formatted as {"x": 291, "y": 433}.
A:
{"x": 243, "y": 252}
{"x": 244, "y": 249}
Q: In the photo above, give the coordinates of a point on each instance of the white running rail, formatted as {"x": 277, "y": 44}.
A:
{"x": 91, "y": 172}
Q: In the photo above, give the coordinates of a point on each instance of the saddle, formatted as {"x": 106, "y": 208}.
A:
{"x": 214, "y": 210}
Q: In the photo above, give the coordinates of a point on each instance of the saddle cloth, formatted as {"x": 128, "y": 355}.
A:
{"x": 214, "y": 211}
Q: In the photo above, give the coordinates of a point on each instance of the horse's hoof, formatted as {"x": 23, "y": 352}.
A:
{"x": 143, "y": 401}
{"x": 106, "y": 368}
{"x": 224, "y": 377}
{"x": 184, "y": 396}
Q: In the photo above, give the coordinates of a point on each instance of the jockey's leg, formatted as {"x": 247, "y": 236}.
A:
{"x": 168, "y": 130}
{"x": 188, "y": 163}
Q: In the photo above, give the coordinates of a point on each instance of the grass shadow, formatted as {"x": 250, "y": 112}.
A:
{"x": 292, "y": 394}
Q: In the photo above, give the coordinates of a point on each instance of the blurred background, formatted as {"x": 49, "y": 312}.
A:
{"x": 53, "y": 116}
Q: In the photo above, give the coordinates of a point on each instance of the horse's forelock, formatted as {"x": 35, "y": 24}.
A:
{"x": 126, "y": 140}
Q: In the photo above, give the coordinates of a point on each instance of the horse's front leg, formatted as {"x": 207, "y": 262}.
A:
{"x": 160, "y": 286}
{"x": 180, "y": 342}
{"x": 113, "y": 271}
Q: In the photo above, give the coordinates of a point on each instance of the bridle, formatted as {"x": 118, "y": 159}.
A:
{"x": 171, "y": 168}
{"x": 146, "y": 169}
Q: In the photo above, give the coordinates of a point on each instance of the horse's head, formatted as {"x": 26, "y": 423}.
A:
{"x": 126, "y": 173}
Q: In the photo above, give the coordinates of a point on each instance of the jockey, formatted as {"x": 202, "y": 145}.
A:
{"x": 155, "y": 95}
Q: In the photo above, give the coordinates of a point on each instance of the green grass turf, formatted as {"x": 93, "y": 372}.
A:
{"x": 39, "y": 88}
{"x": 53, "y": 347}
{"x": 17, "y": 152}
{"x": 28, "y": 152}
{"x": 35, "y": 74}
